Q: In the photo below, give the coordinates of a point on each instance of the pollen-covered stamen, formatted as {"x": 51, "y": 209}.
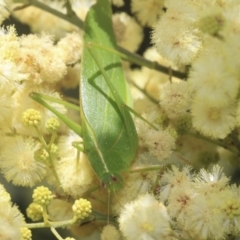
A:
{"x": 147, "y": 227}
{"x": 214, "y": 114}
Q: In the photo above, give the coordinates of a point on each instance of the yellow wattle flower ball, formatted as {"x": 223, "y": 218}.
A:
{"x": 31, "y": 117}
{"x": 82, "y": 208}
{"x": 42, "y": 196}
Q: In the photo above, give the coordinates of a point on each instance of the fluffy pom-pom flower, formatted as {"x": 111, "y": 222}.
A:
{"x": 179, "y": 43}
{"x": 174, "y": 179}
{"x": 75, "y": 172}
{"x": 214, "y": 118}
{"x": 134, "y": 185}
{"x": 160, "y": 144}
{"x": 70, "y": 48}
{"x": 4, "y": 195}
{"x": 238, "y": 114}
{"x": 40, "y": 58}
{"x": 144, "y": 218}
{"x": 128, "y": 32}
{"x": 110, "y": 233}
{"x": 42, "y": 21}
{"x": 11, "y": 221}
{"x": 17, "y": 161}
{"x": 175, "y": 99}
{"x": 4, "y": 10}
{"x": 212, "y": 73}
{"x": 213, "y": 181}
{"x": 230, "y": 206}
{"x": 142, "y": 8}
{"x": 118, "y": 3}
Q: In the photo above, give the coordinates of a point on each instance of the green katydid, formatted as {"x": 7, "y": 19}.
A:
{"x": 110, "y": 137}
{"x": 108, "y": 131}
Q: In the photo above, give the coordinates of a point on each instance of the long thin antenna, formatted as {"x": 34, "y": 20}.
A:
{"x": 108, "y": 211}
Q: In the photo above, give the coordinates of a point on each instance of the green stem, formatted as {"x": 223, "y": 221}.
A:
{"x": 40, "y": 136}
{"x": 56, "y": 234}
{"x": 215, "y": 142}
{"x": 54, "y": 170}
{"x": 52, "y": 224}
{"x": 45, "y": 216}
{"x": 53, "y": 137}
{"x": 152, "y": 99}
{"x": 96, "y": 216}
{"x": 234, "y": 137}
{"x": 69, "y": 8}
{"x": 139, "y": 60}
{"x": 145, "y": 169}
{"x": 46, "y": 147}
{"x": 71, "y": 18}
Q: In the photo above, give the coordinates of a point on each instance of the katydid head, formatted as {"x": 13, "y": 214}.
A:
{"x": 112, "y": 181}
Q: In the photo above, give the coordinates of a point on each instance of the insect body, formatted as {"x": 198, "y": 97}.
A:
{"x": 110, "y": 138}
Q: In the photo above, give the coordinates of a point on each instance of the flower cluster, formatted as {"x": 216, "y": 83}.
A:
{"x": 196, "y": 204}
{"x": 186, "y": 97}
{"x": 204, "y": 34}
{"x": 201, "y": 203}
